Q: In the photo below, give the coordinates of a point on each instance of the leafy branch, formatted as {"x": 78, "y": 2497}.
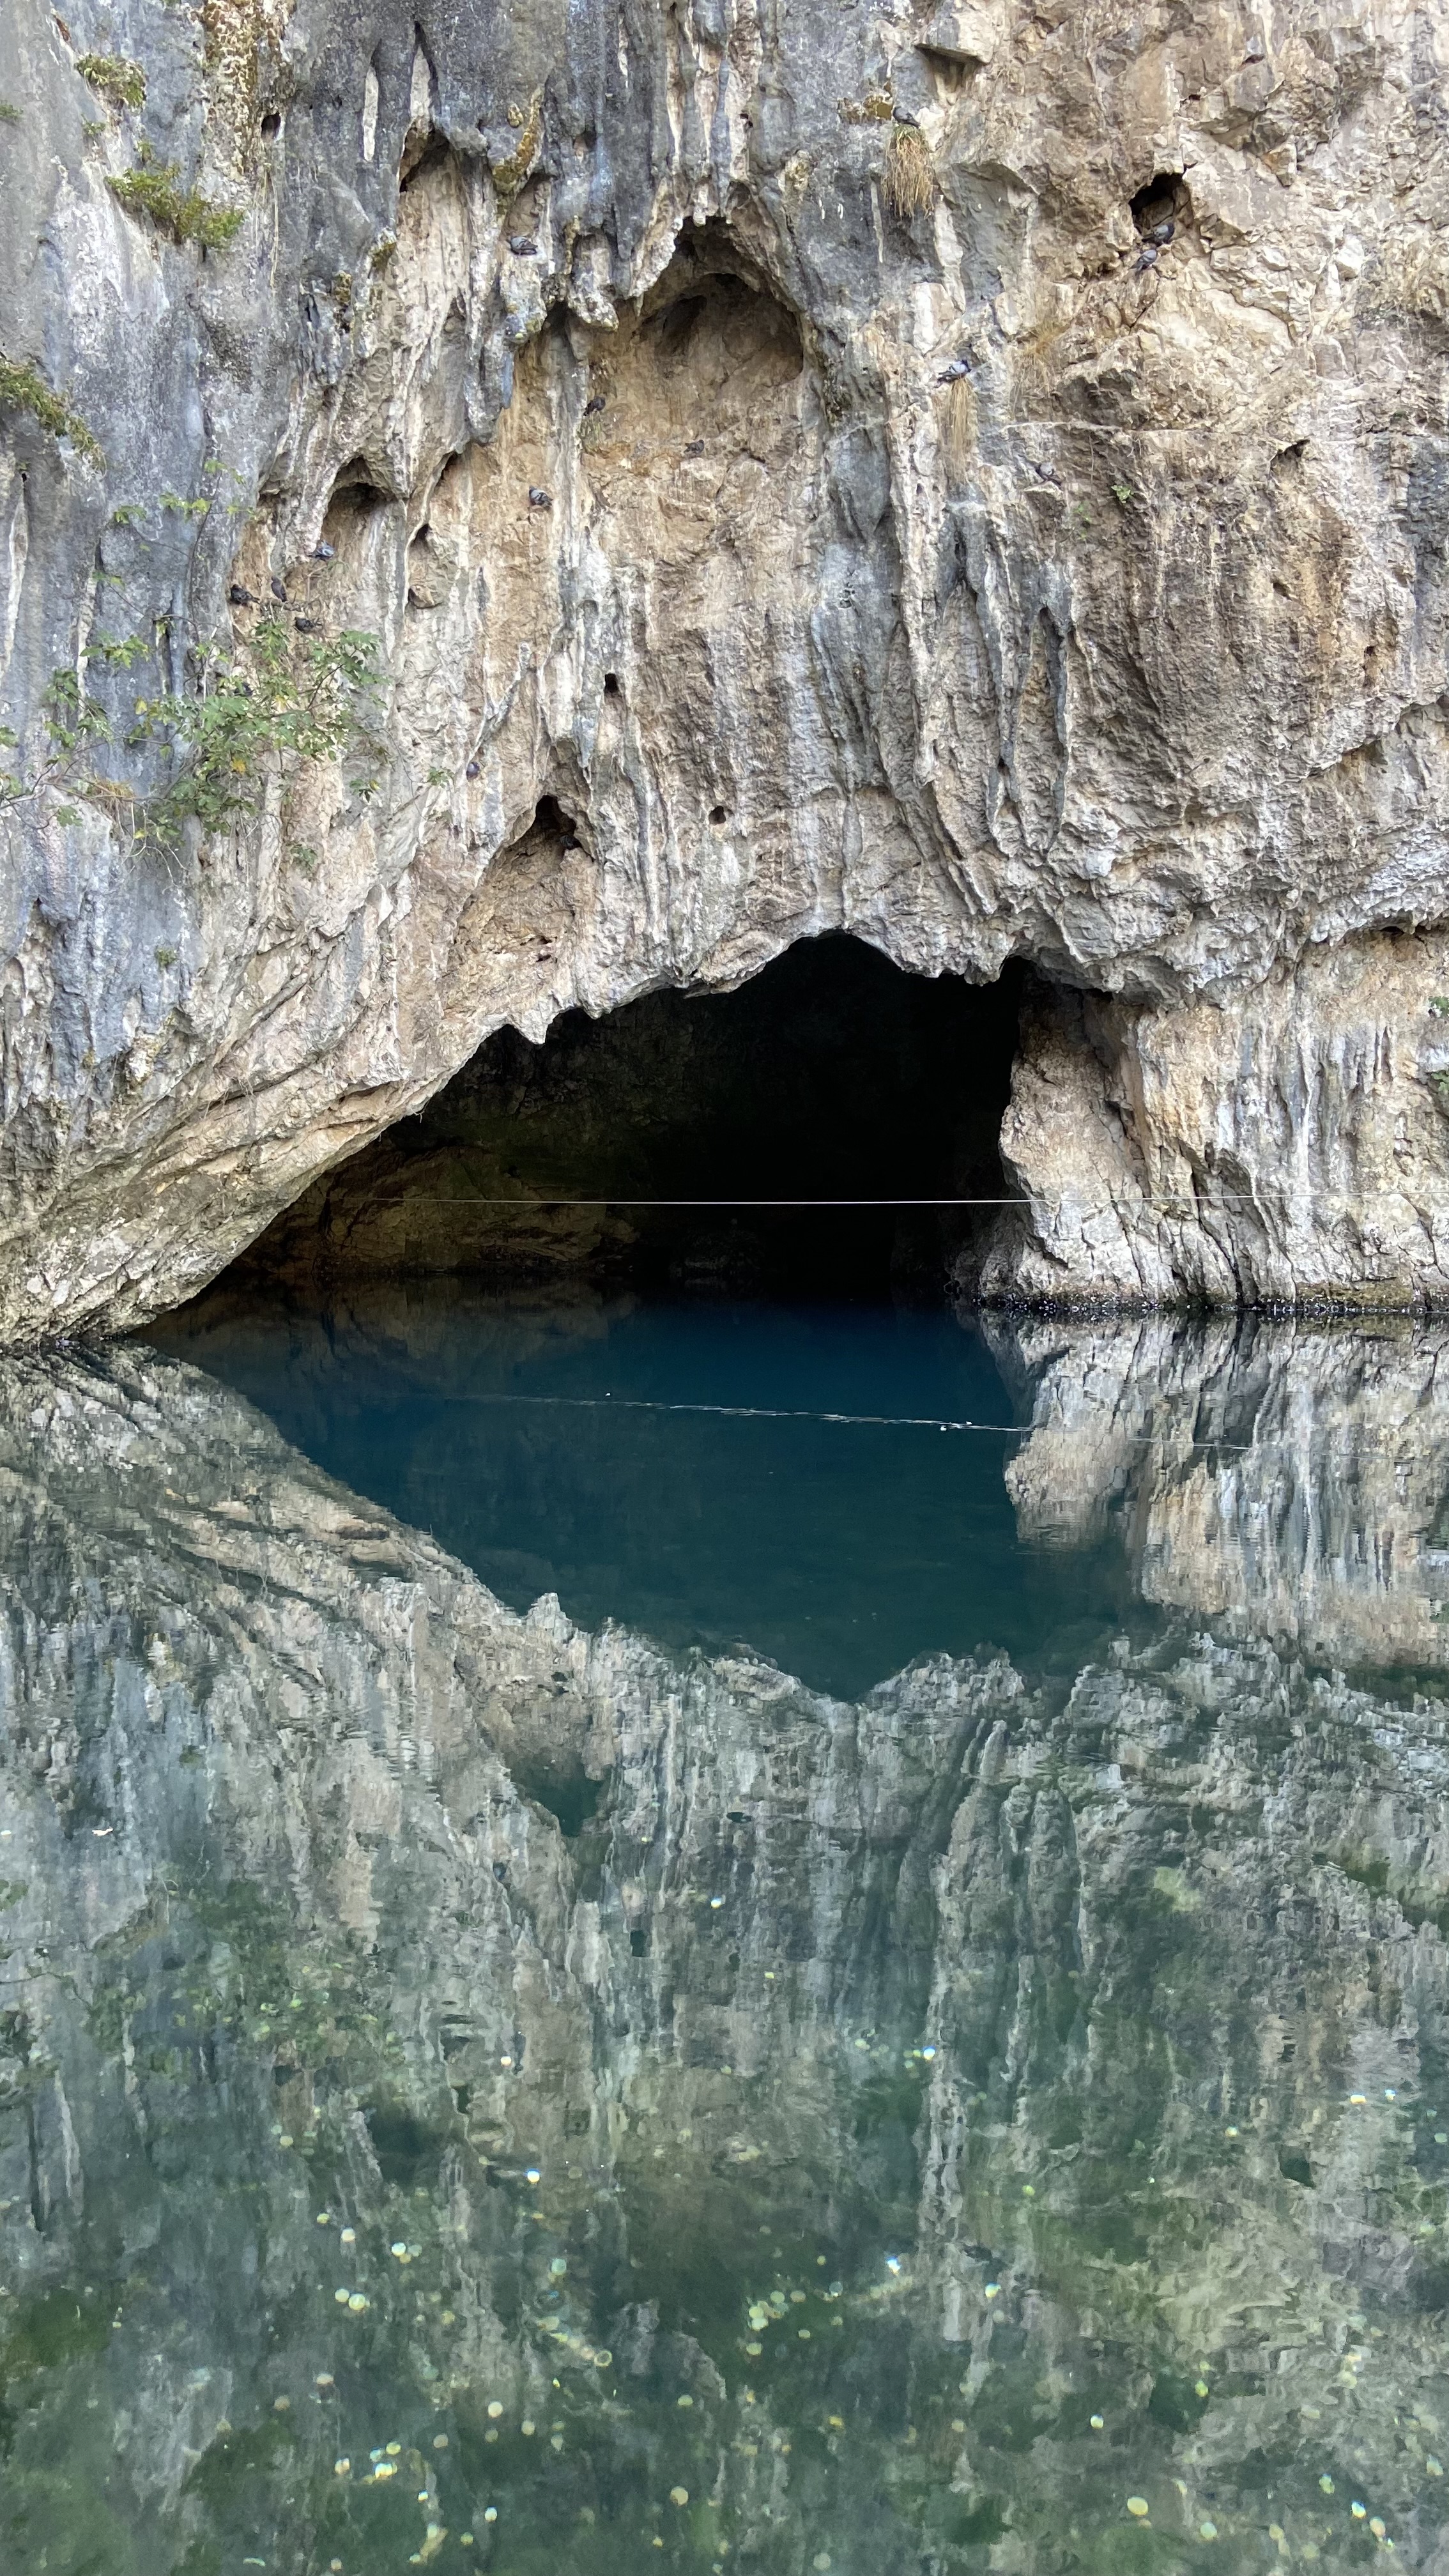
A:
{"x": 23, "y": 388}
{"x": 283, "y": 702}
{"x": 119, "y": 80}
{"x": 72, "y": 723}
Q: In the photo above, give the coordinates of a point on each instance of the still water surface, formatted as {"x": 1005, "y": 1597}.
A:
{"x": 625, "y": 1946}
{"x": 822, "y": 1485}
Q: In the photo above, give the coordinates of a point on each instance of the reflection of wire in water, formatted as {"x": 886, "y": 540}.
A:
{"x": 868, "y": 1421}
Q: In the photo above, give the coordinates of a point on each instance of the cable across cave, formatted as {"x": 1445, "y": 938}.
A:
{"x": 435, "y": 1198}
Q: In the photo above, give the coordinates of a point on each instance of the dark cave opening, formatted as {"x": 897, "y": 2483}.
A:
{"x": 1161, "y": 205}
{"x": 634, "y": 1150}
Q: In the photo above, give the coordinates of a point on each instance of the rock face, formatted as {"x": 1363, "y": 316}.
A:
{"x": 1069, "y": 2061}
{"x": 977, "y": 480}
{"x": 1289, "y": 1150}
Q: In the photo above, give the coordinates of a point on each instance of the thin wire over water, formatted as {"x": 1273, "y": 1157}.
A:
{"x": 437, "y": 1198}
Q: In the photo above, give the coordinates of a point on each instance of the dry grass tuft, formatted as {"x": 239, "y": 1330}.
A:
{"x": 910, "y": 173}
{"x": 113, "y": 793}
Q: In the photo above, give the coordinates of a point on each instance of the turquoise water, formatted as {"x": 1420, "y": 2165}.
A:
{"x": 621, "y": 1952}
{"x": 823, "y": 1484}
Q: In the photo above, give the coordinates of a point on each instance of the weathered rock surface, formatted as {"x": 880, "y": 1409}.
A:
{"x": 1290, "y": 1150}
{"x": 748, "y": 557}
{"x": 290, "y": 1929}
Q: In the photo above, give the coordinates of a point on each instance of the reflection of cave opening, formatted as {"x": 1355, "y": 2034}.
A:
{"x": 830, "y": 1076}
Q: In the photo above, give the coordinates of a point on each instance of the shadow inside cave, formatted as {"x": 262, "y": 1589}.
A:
{"x": 634, "y": 1150}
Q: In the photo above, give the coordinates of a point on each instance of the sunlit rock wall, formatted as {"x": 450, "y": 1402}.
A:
{"x": 1054, "y": 2055}
{"x": 796, "y": 482}
{"x": 1290, "y": 1151}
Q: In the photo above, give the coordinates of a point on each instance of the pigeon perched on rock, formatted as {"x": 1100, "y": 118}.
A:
{"x": 472, "y": 770}
{"x": 953, "y": 374}
{"x": 324, "y": 553}
{"x": 523, "y": 245}
{"x": 694, "y": 447}
{"x": 538, "y": 499}
{"x": 594, "y": 403}
{"x": 1162, "y": 234}
{"x": 240, "y": 596}
{"x": 1146, "y": 258}
{"x": 308, "y": 625}
{"x": 279, "y": 591}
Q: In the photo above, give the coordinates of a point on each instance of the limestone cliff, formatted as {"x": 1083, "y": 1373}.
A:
{"x": 974, "y": 478}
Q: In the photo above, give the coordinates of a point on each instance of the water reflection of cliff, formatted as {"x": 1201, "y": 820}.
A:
{"x": 1291, "y": 1479}
{"x": 457, "y": 2066}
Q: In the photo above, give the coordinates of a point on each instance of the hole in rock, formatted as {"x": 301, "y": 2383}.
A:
{"x": 1164, "y": 200}
{"x": 673, "y": 327}
{"x": 564, "y": 1788}
{"x": 1286, "y": 460}
{"x": 424, "y": 154}
{"x": 711, "y": 314}
{"x": 271, "y": 127}
{"x": 611, "y": 684}
{"x": 550, "y": 821}
{"x": 355, "y": 497}
{"x": 406, "y": 2151}
{"x": 359, "y": 537}
{"x": 634, "y": 1149}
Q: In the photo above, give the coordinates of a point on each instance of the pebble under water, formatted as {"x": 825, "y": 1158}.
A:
{"x": 723, "y": 1938}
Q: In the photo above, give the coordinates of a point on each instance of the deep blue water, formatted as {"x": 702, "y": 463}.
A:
{"x": 822, "y": 1483}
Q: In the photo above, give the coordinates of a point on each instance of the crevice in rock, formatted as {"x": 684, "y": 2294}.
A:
{"x": 830, "y": 1076}
{"x": 371, "y": 98}
{"x": 422, "y": 145}
{"x": 1164, "y": 200}
{"x": 424, "y": 151}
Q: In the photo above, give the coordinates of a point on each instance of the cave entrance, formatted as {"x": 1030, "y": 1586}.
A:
{"x": 636, "y": 1149}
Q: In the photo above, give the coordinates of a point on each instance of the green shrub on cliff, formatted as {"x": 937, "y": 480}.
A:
{"x": 154, "y": 188}
{"x": 283, "y": 701}
{"x": 122, "y": 82}
{"x": 23, "y": 388}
